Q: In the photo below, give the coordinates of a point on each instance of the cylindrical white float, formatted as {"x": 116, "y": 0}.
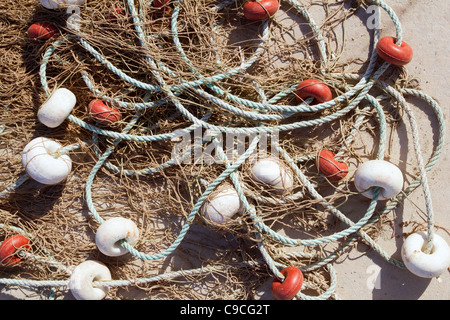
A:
{"x": 270, "y": 171}
{"x": 82, "y": 278}
{"x": 57, "y": 108}
{"x": 222, "y": 206}
{"x": 58, "y": 4}
{"x": 425, "y": 265}
{"x": 113, "y": 230}
{"x": 379, "y": 173}
{"x": 43, "y": 162}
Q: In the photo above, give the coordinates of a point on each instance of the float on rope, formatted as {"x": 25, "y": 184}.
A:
{"x": 103, "y": 113}
{"x": 60, "y": 4}
{"x": 272, "y": 172}
{"x": 288, "y": 288}
{"x": 57, "y": 108}
{"x": 260, "y": 9}
{"x": 42, "y": 31}
{"x": 379, "y": 173}
{"x": 330, "y": 167}
{"x": 222, "y": 206}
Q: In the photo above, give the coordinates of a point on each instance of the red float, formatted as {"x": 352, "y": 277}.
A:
{"x": 102, "y": 113}
{"x": 290, "y": 286}
{"x": 9, "y": 248}
{"x": 330, "y": 167}
{"x": 42, "y": 30}
{"x": 260, "y": 9}
{"x": 392, "y": 53}
{"x": 313, "y": 88}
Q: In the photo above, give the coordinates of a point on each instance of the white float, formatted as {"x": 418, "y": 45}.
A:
{"x": 270, "y": 171}
{"x": 425, "y": 265}
{"x": 43, "y": 162}
{"x": 113, "y": 230}
{"x": 222, "y": 206}
{"x": 82, "y": 278}
{"x": 379, "y": 173}
{"x": 57, "y": 108}
{"x": 59, "y": 4}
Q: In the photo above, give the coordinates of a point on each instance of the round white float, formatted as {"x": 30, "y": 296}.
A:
{"x": 270, "y": 171}
{"x": 110, "y": 233}
{"x": 425, "y": 265}
{"x": 222, "y": 206}
{"x": 82, "y": 278}
{"x": 379, "y": 173}
{"x": 58, "y": 4}
{"x": 57, "y": 108}
{"x": 43, "y": 162}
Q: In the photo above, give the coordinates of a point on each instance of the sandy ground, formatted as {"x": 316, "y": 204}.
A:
{"x": 363, "y": 274}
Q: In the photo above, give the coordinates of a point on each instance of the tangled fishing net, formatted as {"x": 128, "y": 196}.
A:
{"x": 184, "y": 79}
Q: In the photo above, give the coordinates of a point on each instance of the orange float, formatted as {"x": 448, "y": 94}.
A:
{"x": 330, "y": 167}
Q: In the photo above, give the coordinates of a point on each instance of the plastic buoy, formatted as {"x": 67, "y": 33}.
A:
{"x": 110, "y": 232}
{"x": 43, "y": 162}
{"x": 379, "y": 173}
{"x": 57, "y": 108}
{"x": 103, "y": 113}
{"x": 59, "y": 4}
{"x": 80, "y": 283}
{"x": 290, "y": 286}
{"x": 260, "y": 9}
{"x": 313, "y": 88}
{"x": 271, "y": 172}
{"x": 42, "y": 31}
{"x": 330, "y": 167}
{"x": 422, "y": 264}
{"x": 389, "y": 51}
{"x": 9, "y": 248}
{"x": 162, "y": 5}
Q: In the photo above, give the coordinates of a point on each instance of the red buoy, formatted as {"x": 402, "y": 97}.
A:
{"x": 42, "y": 30}
{"x": 162, "y": 5}
{"x": 330, "y": 167}
{"x": 260, "y": 9}
{"x": 290, "y": 286}
{"x": 392, "y": 53}
{"x": 315, "y": 89}
{"x": 103, "y": 113}
{"x": 9, "y": 248}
